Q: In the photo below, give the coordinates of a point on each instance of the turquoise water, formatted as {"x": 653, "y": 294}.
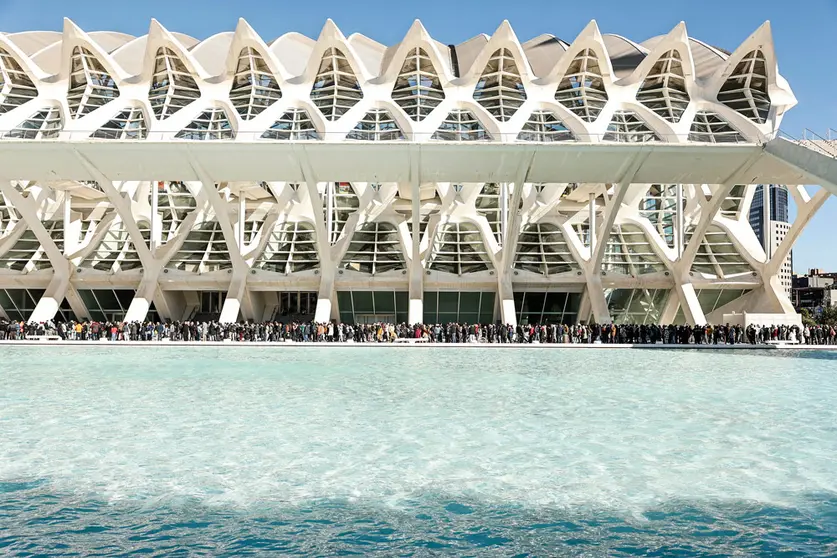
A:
{"x": 417, "y": 452}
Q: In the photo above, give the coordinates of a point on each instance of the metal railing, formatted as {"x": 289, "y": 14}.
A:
{"x": 388, "y": 137}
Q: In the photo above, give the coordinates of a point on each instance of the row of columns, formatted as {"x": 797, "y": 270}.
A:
{"x": 240, "y": 300}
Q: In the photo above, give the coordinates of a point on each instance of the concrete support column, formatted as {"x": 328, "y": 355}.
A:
{"x": 27, "y": 206}
{"x": 680, "y": 228}
{"x": 67, "y": 207}
{"x": 505, "y": 294}
{"x": 690, "y": 304}
{"x": 596, "y": 297}
{"x": 232, "y": 303}
{"x": 242, "y": 222}
{"x": 156, "y": 231}
{"x": 415, "y": 311}
{"x": 584, "y": 307}
{"x": 505, "y": 288}
{"x": 670, "y": 309}
{"x": 140, "y": 304}
{"x": 48, "y": 305}
{"x": 592, "y": 223}
{"x": 327, "y": 296}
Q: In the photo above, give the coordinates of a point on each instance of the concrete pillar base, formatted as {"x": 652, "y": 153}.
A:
{"x": 416, "y": 312}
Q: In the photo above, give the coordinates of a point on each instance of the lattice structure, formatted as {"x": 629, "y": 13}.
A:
{"x": 500, "y": 88}
{"x": 128, "y": 124}
{"x": 629, "y": 252}
{"x": 291, "y": 248}
{"x": 567, "y": 91}
{"x": 204, "y": 250}
{"x": 44, "y": 124}
{"x": 254, "y": 86}
{"x": 659, "y": 206}
{"x": 336, "y": 88}
{"x": 418, "y": 89}
{"x": 213, "y": 124}
{"x": 459, "y": 248}
{"x": 344, "y": 203}
{"x": 628, "y": 127}
{"x": 321, "y": 171}
{"x": 745, "y": 91}
{"x": 544, "y": 126}
{"x": 582, "y": 90}
{"x": 461, "y": 125}
{"x": 172, "y": 85}
{"x": 709, "y": 127}
{"x": 375, "y": 248}
{"x": 664, "y": 90}
{"x": 295, "y": 125}
{"x": 16, "y": 87}
{"x": 489, "y": 205}
{"x": 91, "y": 86}
{"x": 377, "y": 125}
{"x": 542, "y": 249}
{"x": 717, "y": 255}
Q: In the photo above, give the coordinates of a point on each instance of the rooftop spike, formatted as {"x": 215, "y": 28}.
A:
{"x": 591, "y": 31}
{"x": 331, "y": 31}
{"x": 505, "y": 31}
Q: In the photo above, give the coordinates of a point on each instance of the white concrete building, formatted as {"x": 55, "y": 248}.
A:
{"x": 604, "y": 180}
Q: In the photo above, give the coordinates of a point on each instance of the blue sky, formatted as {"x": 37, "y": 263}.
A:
{"x": 803, "y": 34}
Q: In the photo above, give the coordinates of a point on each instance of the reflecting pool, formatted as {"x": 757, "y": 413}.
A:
{"x": 387, "y": 451}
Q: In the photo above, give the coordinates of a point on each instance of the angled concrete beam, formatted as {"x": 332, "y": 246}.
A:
{"x": 804, "y": 214}
{"x": 819, "y": 166}
{"x": 59, "y": 285}
{"x": 327, "y": 295}
{"x": 505, "y": 289}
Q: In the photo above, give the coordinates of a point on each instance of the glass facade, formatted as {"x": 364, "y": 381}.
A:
{"x": 469, "y": 307}
{"x": 105, "y": 305}
{"x": 546, "y": 307}
{"x": 367, "y": 307}
{"x": 636, "y": 306}
{"x": 20, "y": 303}
{"x": 295, "y": 305}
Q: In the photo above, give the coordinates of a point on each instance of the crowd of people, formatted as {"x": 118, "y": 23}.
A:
{"x": 311, "y": 332}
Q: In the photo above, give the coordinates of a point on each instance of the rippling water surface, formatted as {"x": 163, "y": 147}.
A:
{"x": 368, "y": 451}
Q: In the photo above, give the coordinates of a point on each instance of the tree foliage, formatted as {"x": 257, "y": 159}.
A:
{"x": 828, "y": 316}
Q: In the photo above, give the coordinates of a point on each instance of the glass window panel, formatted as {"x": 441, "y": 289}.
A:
{"x": 582, "y": 88}
{"x": 469, "y": 302}
{"x": 500, "y": 88}
{"x": 363, "y": 302}
{"x": 469, "y": 317}
{"x": 344, "y": 301}
{"x": 417, "y": 89}
{"x": 430, "y": 302}
{"x": 402, "y": 302}
{"x": 664, "y": 88}
{"x": 384, "y": 302}
{"x": 449, "y": 302}
{"x": 487, "y": 302}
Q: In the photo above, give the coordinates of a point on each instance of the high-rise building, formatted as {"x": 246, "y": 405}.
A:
{"x": 770, "y": 221}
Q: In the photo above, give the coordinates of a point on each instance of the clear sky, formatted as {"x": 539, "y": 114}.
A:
{"x": 803, "y": 33}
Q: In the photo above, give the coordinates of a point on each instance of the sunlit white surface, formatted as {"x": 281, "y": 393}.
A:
{"x": 616, "y": 429}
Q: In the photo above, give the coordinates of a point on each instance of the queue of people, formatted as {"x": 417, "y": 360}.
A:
{"x": 311, "y": 332}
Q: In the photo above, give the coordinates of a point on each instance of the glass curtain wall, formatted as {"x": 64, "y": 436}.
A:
{"x": 636, "y": 306}
{"x": 546, "y": 307}
{"x": 458, "y": 307}
{"x": 367, "y": 307}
